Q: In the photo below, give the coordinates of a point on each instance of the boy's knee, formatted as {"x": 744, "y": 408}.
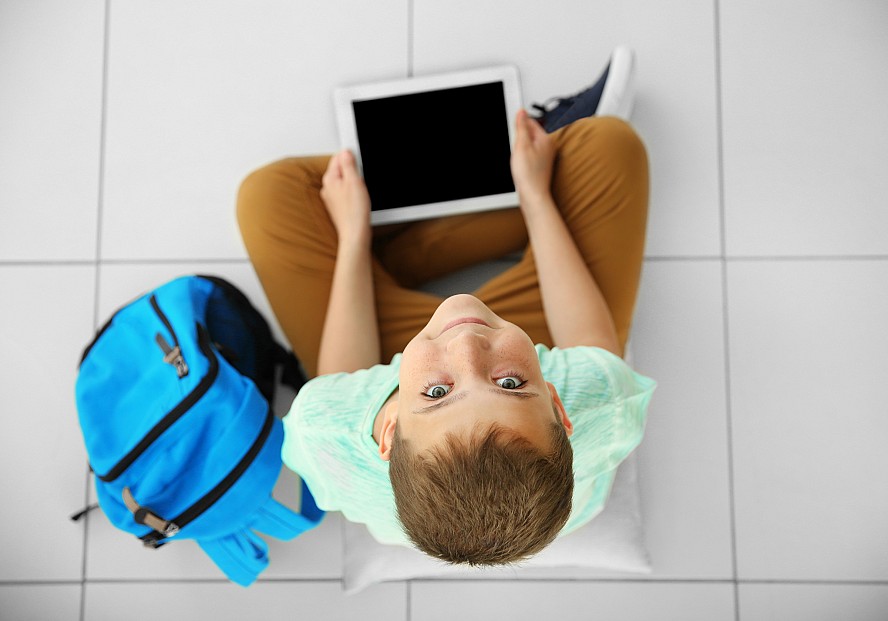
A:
{"x": 265, "y": 190}
{"x": 252, "y": 191}
{"x": 259, "y": 184}
{"x": 617, "y": 138}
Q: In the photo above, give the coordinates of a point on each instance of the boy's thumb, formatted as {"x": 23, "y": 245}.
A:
{"x": 348, "y": 162}
{"x": 521, "y": 124}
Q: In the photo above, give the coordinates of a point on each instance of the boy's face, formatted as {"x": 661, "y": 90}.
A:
{"x": 469, "y": 367}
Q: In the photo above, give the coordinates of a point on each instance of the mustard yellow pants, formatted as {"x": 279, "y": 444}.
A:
{"x": 599, "y": 183}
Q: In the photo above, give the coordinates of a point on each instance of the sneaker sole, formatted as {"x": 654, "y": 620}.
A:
{"x": 618, "y": 95}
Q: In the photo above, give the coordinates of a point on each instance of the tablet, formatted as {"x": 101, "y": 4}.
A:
{"x": 435, "y": 145}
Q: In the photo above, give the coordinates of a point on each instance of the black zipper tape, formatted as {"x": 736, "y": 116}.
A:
{"x": 153, "y": 301}
{"x": 173, "y": 415}
{"x": 163, "y": 318}
{"x": 155, "y": 538}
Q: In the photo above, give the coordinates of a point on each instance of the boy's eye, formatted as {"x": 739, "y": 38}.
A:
{"x": 510, "y": 383}
{"x": 436, "y": 391}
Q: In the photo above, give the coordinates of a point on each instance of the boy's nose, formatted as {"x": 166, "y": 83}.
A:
{"x": 469, "y": 343}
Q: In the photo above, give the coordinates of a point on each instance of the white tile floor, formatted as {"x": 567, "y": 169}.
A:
{"x": 125, "y": 128}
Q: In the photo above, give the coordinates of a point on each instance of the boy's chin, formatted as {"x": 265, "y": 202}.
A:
{"x": 461, "y": 305}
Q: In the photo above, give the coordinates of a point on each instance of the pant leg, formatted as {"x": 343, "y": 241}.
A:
{"x": 428, "y": 249}
{"x": 292, "y": 244}
{"x": 600, "y": 185}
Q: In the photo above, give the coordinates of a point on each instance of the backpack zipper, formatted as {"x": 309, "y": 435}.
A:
{"x": 171, "y": 354}
{"x": 173, "y": 415}
{"x": 155, "y": 538}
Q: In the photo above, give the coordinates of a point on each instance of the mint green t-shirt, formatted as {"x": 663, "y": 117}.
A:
{"x": 329, "y": 441}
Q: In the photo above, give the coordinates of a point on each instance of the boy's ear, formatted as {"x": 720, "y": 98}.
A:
{"x": 387, "y": 435}
{"x": 559, "y": 406}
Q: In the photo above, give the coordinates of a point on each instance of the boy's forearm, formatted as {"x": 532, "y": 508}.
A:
{"x": 576, "y": 312}
{"x": 350, "y": 338}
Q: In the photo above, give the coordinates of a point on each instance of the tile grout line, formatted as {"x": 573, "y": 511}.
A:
{"x": 719, "y": 120}
{"x": 244, "y": 261}
{"x": 101, "y": 180}
{"x": 408, "y": 591}
{"x": 651, "y": 259}
{"x": 410, "y": 21}
{"x": 98, "y": 263}
{"x": 445, "y": 581}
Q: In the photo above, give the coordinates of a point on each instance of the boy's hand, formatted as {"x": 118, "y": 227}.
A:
{"x": 532, "y": 158}
{"x": 345, "y": 195}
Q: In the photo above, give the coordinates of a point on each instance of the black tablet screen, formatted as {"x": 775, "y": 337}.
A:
{"x": 434, "y": 146}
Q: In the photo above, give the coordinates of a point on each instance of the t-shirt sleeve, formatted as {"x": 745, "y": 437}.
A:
{"x": 606, "y": 401}
{"x": 317, "y": 461}
{"x": 328, "y": 443}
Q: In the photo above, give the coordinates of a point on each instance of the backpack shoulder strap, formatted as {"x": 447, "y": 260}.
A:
{"x": 242, "y": 555}
{"x": 292, "y": 374}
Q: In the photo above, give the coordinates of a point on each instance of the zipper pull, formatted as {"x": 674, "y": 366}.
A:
{"x": 172, "y": 355}
{"x": 144, "y": 515}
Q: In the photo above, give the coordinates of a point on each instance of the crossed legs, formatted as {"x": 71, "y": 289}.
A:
{"x": 599, "y": 183}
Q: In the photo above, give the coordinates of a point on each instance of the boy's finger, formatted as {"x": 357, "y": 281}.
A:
{"x": 525, "y": 119}
{"x": 521, "y": 126}
{"x": 534, "y": 128}
{"x": 334, "y": 169}
{"x": 347, "y": 161}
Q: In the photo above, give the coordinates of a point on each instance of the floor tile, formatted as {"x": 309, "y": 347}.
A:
{"x": 45, "y": 321}
{"x": 677, "y": 339}
{"x": 115, "y": 554}
{"x": 562, "y": 47}
{"x": 808, "y": 343}
{"x": 223, "y": 602}
{"x": 121, "y": 283}
{"x": 38, "y": 602}
{"x": 434, "y": 601}
{"x": 315, "y": 554}
{"x": 805, "y": 134}
{"x": 51, "y": 93}
{"x": 813, "y": 602}
{"x": 200, "y": 95}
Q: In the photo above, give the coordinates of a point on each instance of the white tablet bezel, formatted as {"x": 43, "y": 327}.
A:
{"x": 348, "y": 136}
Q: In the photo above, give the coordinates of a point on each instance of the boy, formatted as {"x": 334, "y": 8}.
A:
{"x": 501, "y": 418}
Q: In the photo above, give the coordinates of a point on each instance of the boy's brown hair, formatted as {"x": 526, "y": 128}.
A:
{"x": 494, "y": 500}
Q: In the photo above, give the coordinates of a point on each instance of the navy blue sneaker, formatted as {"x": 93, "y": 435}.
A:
{"x": 611, "y": 95}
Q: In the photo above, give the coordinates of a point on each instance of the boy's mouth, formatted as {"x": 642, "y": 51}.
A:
{"x": 462, "y": 320}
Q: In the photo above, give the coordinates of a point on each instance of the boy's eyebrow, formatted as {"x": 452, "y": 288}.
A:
{"x": 520, "y": 394}
{"x": 440, "y": 404}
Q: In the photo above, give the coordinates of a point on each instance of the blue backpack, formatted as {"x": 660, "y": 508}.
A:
{"x": 174, "y": 396}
